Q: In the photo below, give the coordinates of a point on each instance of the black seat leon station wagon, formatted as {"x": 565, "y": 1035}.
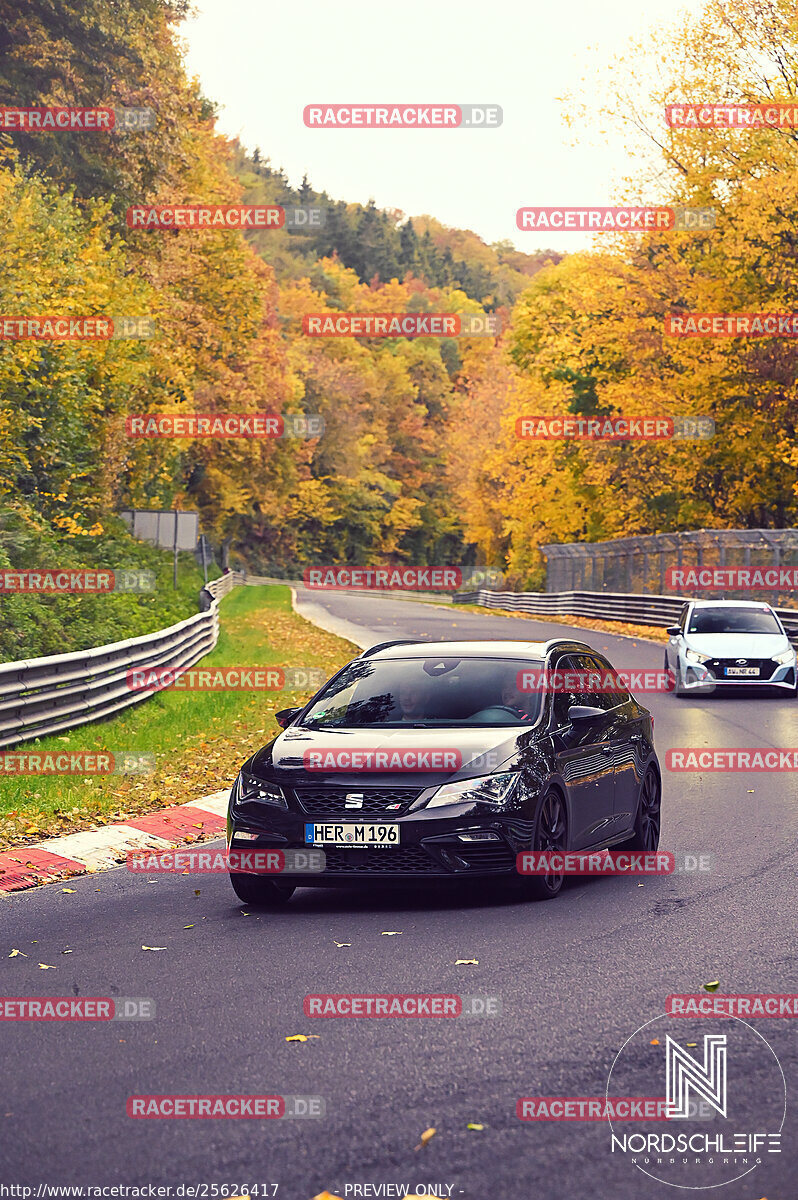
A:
{"x": 445, "y": 760}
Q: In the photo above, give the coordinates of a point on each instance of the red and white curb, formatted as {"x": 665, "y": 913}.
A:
{"x": 100, "y": 849}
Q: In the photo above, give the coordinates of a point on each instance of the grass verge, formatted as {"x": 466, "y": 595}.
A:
{"x": 200, "y": 739}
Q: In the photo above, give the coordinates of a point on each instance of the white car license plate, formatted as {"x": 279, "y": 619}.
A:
{"x": 351, "y": 835}
{"x": 742, "y": 670}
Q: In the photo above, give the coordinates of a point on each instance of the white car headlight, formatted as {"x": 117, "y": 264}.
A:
{"x": 250, "y": 788}
{"x": 495, "y": 790}
{"x": 694, "y": 656}
{"x": 786, "y": 656}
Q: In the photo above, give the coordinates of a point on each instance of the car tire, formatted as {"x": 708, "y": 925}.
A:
{"x": 259, "y": 892}
{"x": 648, "y": 818}
{"x": 672, "y": 675}
{"x": 551, "y": 833}
{"x": 679, "y": 689}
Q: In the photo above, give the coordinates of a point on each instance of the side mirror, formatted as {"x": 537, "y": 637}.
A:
{"x": 584, "y": 712}
{"x": 673, "y": 630}
{"x": 286, "y": 716}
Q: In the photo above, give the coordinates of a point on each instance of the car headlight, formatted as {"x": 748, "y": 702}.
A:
{"x": 786, "y": 656}
{"x": 694, "y": 656}
{"x": 495, "y": 790}
{"x": 250, "y": 788}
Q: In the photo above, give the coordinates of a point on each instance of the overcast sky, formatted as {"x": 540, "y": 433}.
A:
{"x": 262, "y": 62}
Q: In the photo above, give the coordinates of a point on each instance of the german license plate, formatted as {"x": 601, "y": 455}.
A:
{"x": 351, "y": 835}
{"x": 742, "y": 671}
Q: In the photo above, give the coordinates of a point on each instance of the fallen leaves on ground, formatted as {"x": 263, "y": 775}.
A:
{"x": 153, "y": 947}
{"x": 466, "y": 962}
{"x": 652, "y": 632}
{"x": 302, "y": 1037}
{"x": 425, "y": 1137}
{"x": 711, "y": 987}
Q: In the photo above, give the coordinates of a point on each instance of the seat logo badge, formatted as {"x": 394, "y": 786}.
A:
{"x": 741, "y": 661}
{"x": 354, "y": 800}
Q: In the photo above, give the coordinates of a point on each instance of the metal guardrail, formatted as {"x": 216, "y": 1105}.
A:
{"x": 42, "y": 696}
{"x": 607, "y": 606}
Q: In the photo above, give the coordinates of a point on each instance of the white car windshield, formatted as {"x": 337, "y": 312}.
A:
{"x": 733, "y": 620}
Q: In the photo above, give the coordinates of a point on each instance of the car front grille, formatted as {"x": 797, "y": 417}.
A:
{"x": 331, "y": 801}
{"x": 402, "y": 860}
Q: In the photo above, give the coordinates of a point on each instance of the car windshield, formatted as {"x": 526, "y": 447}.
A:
{"x": 733, "y": 620}
{"x": 435, "y": 692}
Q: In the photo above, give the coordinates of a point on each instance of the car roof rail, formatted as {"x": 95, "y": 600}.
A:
{"x": 386, "y": 645}
{"x": 554, "y": 643}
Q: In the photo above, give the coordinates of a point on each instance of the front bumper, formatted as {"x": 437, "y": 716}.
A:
{"x": 432, "y": 843}
{"x": 710, "y": 675}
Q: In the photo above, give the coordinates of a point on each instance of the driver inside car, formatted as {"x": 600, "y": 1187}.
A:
{"x": 514, "y": 699}
{"x": 410, "y": 702}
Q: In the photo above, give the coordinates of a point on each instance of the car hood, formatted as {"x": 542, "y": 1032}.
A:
{"x": 737, "y": 645}
{"x": 476, "y": 752}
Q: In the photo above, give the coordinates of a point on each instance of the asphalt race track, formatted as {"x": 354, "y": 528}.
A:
{"x": 576, "y": 978}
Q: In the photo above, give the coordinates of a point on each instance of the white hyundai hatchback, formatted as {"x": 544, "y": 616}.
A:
{"x": 729, "y": 643}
